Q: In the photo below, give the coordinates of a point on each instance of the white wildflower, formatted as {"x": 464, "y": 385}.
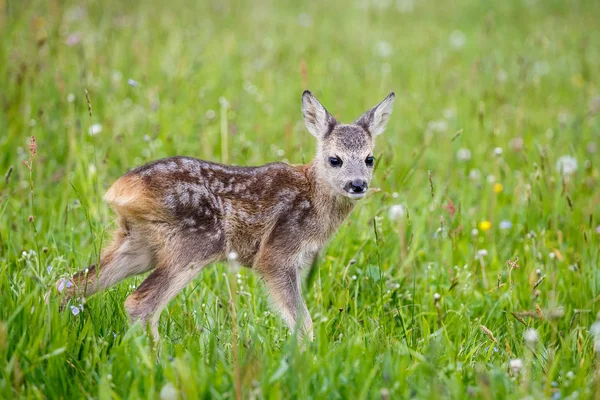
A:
{"x": 95, "y": 129}
{"x": 516, "y": 365}
{"x": 541, "y": 68}
{"x": 449, "y": 113}
{"x": 531, "y": 337}
{"x": 498, "y": 151}
{"x": 566, "y": 165}
{"x": 501, "y": 76}
{"x": 481, "y": 254}
{"x": 304, "y": 20}
{"x": 475, "y": 175}
{"x": 595, "y": 329}
{"x": 396, "y": 211}
{"x": 463, "y": 154}
{"x": 405, "y": 6}
{"x": 383, "y": 49}
{"x": 458, "y": 39}
{"x": 169, "y": 392}
{"x": 570, "y": 375}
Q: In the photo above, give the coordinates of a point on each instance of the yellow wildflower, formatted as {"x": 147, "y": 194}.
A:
{"x": 485, "y": 225}
{"x": 498, "y": 187}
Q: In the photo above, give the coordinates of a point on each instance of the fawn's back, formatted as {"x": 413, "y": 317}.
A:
{"x": 228, "y": 208}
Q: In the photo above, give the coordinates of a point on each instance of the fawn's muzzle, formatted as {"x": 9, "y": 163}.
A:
{"x": 357, "y": 186}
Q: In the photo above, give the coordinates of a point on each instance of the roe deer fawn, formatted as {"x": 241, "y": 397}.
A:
{"x": 179, "y": 214}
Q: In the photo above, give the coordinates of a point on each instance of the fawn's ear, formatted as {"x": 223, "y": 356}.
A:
{"x": 375, "y": 120}
{"x": 318, "y": 121}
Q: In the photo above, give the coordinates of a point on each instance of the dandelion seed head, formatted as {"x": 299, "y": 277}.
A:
{"x": 566, "y": 165}
{"x": 498, "y": 151}
{"x": 383, "y": 49}
{"x": 95, "y": 129}
{"x": 481, "y": 254}
{"x": 305, "y": 20}
{"x": 458, "y": 39}
{"x": 169, "y": 392}
{"x": 501, "y": 76}
{"x": 516, "y": 364}
{"x": 595, "y": 330}
{"x": 531, "y": 337}
{"x": 232, "y": 256}
{"x": 396, "y": 211}
{"x": 475, "y": 175}
{"x": 463, "y": 154}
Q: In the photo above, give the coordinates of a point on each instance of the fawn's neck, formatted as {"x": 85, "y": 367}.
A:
{"x": 331, "y": 207}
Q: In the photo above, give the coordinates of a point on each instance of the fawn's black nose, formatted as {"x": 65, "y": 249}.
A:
{"x": 356, "y": 186}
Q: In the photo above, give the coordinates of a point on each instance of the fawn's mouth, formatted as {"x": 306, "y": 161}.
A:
{"x": 356, "y": 196}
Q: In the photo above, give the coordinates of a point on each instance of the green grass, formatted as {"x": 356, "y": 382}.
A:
{"x": 519, "y": 75}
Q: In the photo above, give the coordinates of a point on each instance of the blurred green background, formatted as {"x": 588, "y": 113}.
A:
{"x": 491, "y": 152}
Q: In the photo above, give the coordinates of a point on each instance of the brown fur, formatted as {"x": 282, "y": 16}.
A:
{"x": 179, "y": 214}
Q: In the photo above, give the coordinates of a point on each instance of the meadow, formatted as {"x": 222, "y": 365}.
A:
{"x": 470, "y": 270}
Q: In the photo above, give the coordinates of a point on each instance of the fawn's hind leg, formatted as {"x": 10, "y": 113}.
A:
{"x": 176, "y": 268}
{"x": 129, "y": 254}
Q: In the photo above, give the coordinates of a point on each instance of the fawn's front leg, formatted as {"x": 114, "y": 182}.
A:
{"x": 283, "y": 282}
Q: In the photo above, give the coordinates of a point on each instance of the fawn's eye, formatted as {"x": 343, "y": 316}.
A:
{"x": 370, "y": 161}
{"x": 335, "y": 161}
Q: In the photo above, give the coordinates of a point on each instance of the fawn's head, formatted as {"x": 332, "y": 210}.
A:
{"x": 345, "y": 151}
